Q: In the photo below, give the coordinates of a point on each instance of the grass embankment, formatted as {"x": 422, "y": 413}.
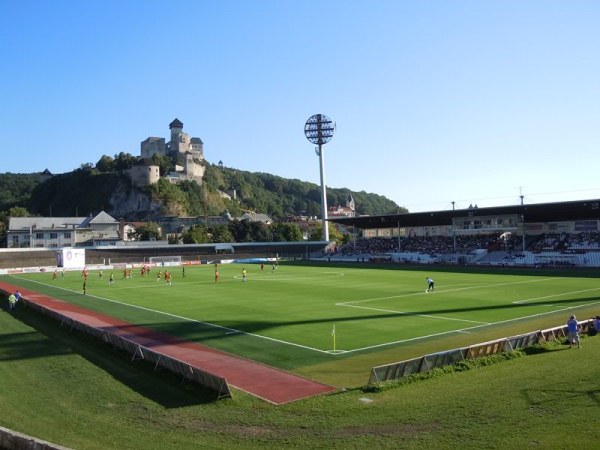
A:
{"x": 66, "y": 388}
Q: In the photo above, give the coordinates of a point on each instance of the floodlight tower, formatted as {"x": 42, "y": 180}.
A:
{"x": 319, "y": 130}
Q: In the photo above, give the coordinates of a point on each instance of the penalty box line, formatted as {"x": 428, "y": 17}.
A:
{"x": 527, "y": 300}
{"x": 405, "y": 313}
{"x": 227, "y": 330}
{"x": 468, "y": 329}
{"x": 352, "y": 304}
{"x": 412, "y": 294}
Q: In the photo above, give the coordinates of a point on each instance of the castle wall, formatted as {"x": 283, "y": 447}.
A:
{"x": 153, "y": 145}
{"x": 180, "y": 143}
{"x": 196, "y": 145}
{"x": 144, "y": 175}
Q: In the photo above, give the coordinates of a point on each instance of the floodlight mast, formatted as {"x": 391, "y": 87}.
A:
{"x": 319, "y": 130}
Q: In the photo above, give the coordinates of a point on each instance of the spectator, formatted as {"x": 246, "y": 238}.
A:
{"x": 573, "y": 331}
{"x": 12, "y": 301}
{"x": 596, "y": 325}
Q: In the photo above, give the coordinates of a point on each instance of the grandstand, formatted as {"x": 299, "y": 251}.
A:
{"x": 563, "y": 234}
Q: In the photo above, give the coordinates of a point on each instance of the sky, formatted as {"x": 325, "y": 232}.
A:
{"x": 471, "y": 102}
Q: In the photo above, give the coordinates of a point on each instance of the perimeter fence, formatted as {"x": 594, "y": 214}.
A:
{"x": 137, "y": 351}
{"x": 427, "y": 363}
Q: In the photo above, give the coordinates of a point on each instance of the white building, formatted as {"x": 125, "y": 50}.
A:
{"x": 60, "y": 232}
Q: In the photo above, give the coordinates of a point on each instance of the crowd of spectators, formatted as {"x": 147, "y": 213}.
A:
{"x": 432, "y": 245}
{"x": 464, "y": 244}
{"x": 374, "y": 245}
{"x": 586, "y": 241}
{"x": 566, "y": 242}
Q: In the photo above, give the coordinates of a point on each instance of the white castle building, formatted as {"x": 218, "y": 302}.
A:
{"x": 189, "y": 152}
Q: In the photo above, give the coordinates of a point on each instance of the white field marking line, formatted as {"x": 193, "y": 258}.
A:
{"x": 187, "y": 283}
{"x": 347, "y": 304}
{"x": 236, "y": 277}
{"x": 431, "y": 316}
{"x": 467, "y": 330}
{"x": 518, "y": 302}
{"x": 119, "y": 282}
{"x": 412, "y": 294}
{"x": 227, "y": 330}
{"x": 287, "y": 278}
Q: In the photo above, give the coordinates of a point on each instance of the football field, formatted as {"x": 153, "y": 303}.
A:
{"x": 299, "y": 315}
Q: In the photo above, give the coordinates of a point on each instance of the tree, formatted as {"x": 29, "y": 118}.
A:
{"x": 260, "y": 232}
{"x": 15, "y": 189}
{"x": 3, "y": 228}
{"x": 15, "y": 211}
{"x": 18, "y": 211}
{"x": 105, "y": 164}
{"x": 164, "y": 163}
{"x": 221, "y": 233}
{"x": 124, "y": 161}
{"x": 334, "y": 233}
{"x": 241, "y": 230}
{"x": 286, "y": 232}
{"x": 197, "y": 234}
{"x": 149, "y": 231}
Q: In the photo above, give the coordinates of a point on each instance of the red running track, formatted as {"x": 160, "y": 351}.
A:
{"x": 268, "y": 383}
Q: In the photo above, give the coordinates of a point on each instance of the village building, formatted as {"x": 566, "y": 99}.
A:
{"x": 60, "y": 232}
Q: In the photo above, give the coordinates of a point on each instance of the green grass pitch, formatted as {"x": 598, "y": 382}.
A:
{"x": 287, "y": 317}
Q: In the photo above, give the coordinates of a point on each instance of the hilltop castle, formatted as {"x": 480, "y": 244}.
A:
{"x": 188, "y": 152}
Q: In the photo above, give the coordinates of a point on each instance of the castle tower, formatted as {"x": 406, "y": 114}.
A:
{"x": 193, "y": 168}
{"x": 176, "y": 126}
{"x": 180, "y": 142}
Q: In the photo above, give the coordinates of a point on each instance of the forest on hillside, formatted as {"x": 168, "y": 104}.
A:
{"x": 91, "y": 189}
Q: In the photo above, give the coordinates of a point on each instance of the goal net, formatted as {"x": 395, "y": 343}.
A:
{"x": 165, "y": 260}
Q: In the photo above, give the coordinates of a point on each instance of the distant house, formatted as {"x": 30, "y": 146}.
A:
{"x": 307, "y": 224}
{"x": 349, "y": 210}
{"x": 46, "y": 174}
{"x": 340, "y": 211}
{"x": 60, "y": 232}
{"x": 173, "y": 225}
{"x": 128, "y": 230}
{"x": 256, "y": 217}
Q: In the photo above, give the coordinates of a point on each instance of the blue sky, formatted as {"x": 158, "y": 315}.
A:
{"x": 475, "y": 102}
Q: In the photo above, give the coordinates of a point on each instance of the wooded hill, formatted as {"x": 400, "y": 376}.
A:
{"x": 91, "y": 189}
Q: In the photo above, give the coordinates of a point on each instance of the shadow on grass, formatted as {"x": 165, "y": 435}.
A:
{"x": 537, "y": 397}
{"x": 200, "y": 331}
{"x": 567, "y": 272}
{"x": 162, "y": 386}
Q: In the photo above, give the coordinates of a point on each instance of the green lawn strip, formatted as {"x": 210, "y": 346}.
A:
{"x": 63, "y": 387}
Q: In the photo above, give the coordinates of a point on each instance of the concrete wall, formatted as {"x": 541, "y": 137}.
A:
{"x": 11, "y": 440}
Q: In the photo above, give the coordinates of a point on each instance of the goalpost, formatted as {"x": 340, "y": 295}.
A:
{"x": 165, "y": 260}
